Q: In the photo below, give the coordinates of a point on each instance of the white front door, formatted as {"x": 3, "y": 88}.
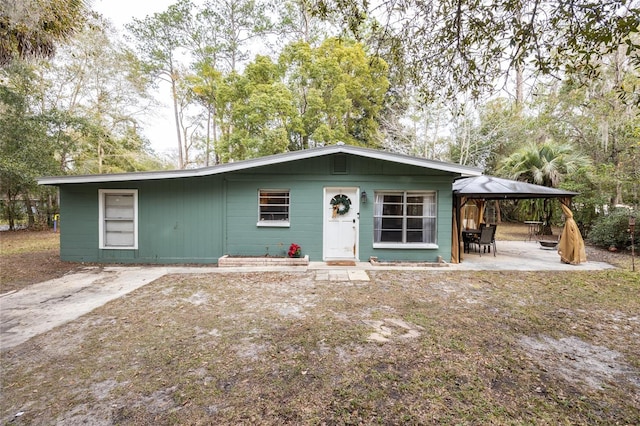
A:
{"x": 341, "y": 209}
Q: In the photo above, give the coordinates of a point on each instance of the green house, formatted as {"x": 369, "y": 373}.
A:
{"x": 337, "y": 203}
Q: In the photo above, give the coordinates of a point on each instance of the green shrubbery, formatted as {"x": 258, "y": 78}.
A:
{"x": 613, "y": 229}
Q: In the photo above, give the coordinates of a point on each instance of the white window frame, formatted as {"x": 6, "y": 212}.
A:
{"x": 405, "y": 245}
{"x": 101, "y": 221}
{"x": 274, "y": 223}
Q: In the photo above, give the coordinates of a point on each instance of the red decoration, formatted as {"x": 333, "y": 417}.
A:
{"x": 294, "y": 250}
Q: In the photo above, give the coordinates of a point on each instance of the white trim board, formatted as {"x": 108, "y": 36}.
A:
{"x": 265, "y": 161}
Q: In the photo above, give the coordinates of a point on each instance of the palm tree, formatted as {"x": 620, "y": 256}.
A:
{"x": 547, "y": 164}
{"x": 32, "y": 28}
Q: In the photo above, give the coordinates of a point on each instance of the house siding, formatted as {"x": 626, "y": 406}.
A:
{"x": 199, "y": 219}
{"x": 179, "y": 221}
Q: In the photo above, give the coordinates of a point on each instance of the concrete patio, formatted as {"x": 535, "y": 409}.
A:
{"x": 522, "y": 256}
{"x": 510, "y": 256}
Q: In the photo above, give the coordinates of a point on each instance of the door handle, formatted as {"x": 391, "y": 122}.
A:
{"x": 354, "y": 221}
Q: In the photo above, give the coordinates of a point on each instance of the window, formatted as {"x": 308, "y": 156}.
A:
{"x": 273, "y": 206}
{"x": 405, "y": 219}
{"x": 118, "y": 218}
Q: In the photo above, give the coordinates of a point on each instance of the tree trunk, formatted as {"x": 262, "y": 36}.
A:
{"x": 100, "y": 155}
{"x": 519, "y": 85}
{"x": 11, "y": 210}
{"x": 177, "y": 119}
{"x": 216, "y": 156}
{"x": 29, "y": 207}
{"x": 50, "y": 208}
{"x": 548, "y": 212}
{"x": 208, "y": 149}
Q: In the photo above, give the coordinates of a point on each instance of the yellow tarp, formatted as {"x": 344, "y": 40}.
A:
{"x": 571, "y": 248}
{"x": 455, "y": 238}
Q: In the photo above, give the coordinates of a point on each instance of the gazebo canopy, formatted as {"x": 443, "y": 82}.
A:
{"x": 482, "y": 188}
{"x": 495, "y": 188}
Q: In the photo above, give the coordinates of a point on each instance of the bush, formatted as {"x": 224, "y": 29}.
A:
{"x": 612, "y": 229}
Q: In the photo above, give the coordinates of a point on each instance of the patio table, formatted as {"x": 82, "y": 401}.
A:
{"x": 534, "y": 229}
{"x": 469, "y": 236}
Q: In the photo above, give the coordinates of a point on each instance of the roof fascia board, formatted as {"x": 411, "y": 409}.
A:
{"x": 415, "y": 161}
{"x": 529, "y": 190}
{"x": 259, "y": 162}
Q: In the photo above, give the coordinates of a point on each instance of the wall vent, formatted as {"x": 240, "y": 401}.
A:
{"x": 339, "y": 164}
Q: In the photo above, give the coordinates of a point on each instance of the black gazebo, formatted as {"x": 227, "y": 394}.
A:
{"x": 485, "y": 187}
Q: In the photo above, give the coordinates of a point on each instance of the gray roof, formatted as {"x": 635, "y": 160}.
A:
{"x": 264, "y": 161}
{"x": 492, "y": 188}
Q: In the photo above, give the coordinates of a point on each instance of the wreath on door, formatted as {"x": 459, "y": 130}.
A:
{"x": 340, "y": 204}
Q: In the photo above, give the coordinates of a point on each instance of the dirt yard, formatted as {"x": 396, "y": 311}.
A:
{"x": 430, "y": 347}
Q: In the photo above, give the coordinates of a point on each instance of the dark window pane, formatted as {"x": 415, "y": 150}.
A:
{"x": 392, "y": 210}
{"x": 391, "y": 223}
{"x": 414, "y": 237}
{"x": 414, "y": 223}
{"x": 274, "y": 209}
{"x": 393, "y": 199}
{"x": 414, "y": 210}
{"x": 274, "y": 200}
{"x": 391, "y": 236}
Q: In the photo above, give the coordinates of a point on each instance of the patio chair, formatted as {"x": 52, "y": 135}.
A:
{"x": 476, "y": 237}
{"x": 487, "y": 239}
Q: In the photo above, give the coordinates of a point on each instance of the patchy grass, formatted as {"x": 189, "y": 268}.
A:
{"x": 29, "y": 257}
{"x": 515, "y": 231}
{"x": 430, "y": 347}
{"x": 269, "y": 348}
{"x": 23, "y": 241}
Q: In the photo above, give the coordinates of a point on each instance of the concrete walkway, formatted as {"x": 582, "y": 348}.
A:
{"x": 41, "y": 307}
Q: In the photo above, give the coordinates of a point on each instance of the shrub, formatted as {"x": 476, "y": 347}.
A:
{"x": 612, "y": 229}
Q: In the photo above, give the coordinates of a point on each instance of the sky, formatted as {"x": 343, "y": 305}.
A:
{"x": 159, "y": 129}
{"x": 121, "y": 12}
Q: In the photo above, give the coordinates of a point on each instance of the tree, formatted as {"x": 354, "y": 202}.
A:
{"x": 493, "y": 131}
{"x": 546, "y": 163}
{"x": 205, "y": 85}
{"x": 190, "y": 119}
{"x": 339, "y": 92}
{"x": 261, "y": 113}
{"x": 158, "y": 40}
{"x": 92, "y": 99}
{"x": 233, "y": 25}
{"x": 449, "y": 47}
{"x": 297, "y": 22}
{"x": 604, "y": 126}
{"x": 32, "y": 28}
{"x": 26, "y": 151}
